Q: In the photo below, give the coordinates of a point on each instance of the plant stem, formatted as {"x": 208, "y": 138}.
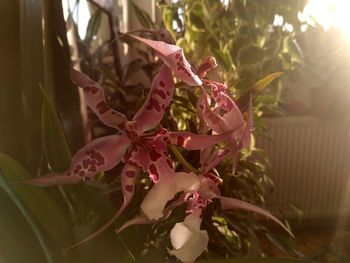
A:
{"x": 182, "y": 159}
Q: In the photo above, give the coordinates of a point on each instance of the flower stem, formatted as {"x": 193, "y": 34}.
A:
{"x": 182, "y": 159}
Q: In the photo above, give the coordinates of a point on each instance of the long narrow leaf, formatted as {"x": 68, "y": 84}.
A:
{"x": 52, "y": 254}
{"x": 56, "y": 150}
{"x": 143, "y": 17}
{"x": 40, "y": 203}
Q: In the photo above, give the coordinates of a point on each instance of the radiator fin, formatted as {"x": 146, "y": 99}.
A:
{"x": 310, "y": 164}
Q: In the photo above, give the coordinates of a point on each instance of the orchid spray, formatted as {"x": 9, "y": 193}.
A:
{"x": 142, "y": 145}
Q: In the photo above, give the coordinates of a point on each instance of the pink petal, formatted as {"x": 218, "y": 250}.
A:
{"x": 245, "y": 141}
{"x": 97, "y": 156}
{"x": 233, "y": 119}
{"x": 219, "y": 93}
{"x": 150, "y": 159}
{"x": 159, "y": 97}
{"x": 208, "y": 64}
{"x": 128, "y": 177}
{"x": 142, "y": 219}
{"x": 139, "y": 157}
{"x": 173, "y": 56}
{"x": 138, "y": 220}
{"x": 229, "y": 121}
{"x": 53, "y": 179}
{"x": 213, "y": 120}
{"x": 192, "y": 141}
{"x": 216, "y": 158}
{"x": 232, "y": 203}
{"x": 96, "y": 100}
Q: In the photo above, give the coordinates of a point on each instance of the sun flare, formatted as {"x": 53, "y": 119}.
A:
{"x": 328, "y": 13}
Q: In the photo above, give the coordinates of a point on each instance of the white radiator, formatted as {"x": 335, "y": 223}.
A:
{"x": 310, "y": 164}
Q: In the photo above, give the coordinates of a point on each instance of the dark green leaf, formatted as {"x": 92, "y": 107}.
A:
{"x": 143, "y": 17}
{"x": 93, "y": 26}
{"x": 56, "y": 149}
{"x": 52, "y": 254}
{"x": 38, "y": 202}
{"x": 223, "y": 59}
{"x": 250, "y": 54}
{"x": 258, "y": 88}
{"x": 283, "y": 243}
{"x": 196, "y": 21}
{"x": 168, "y": 18}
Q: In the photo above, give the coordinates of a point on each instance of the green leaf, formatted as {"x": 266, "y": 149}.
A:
{"x": 293, "y": 49}
{"x": 51, "y": 253}
{"x": 18, "y": 241}
{"x": 297, "y": 210}
{"x": 223, "y": 59}
{"x": 37, "y": 201}
{"x": 285, "y": 244}
{"x": 143, "y": 17}
{"x": 257, "y": 88}
{"x": 56, "y": 149}
{"x": 168, "y": 18}
{"x": 93, "y": 26}
{"x": 263, "y": 83}
{"x": 250, "y": 54}
{"x": 196, "y": 21}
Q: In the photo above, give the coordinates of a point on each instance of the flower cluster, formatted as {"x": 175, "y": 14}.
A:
{"x": 142, "y": 149}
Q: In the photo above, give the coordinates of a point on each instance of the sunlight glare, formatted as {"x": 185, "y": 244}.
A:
{"x": 328, "y": 13}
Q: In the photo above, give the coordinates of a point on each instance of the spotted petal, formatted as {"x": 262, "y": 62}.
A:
{"x": 159, "y": 97}
{"x": 215, "y": 159}
{"x": 192, "y": 141}
{"x": 96, "y": 100}
{"x": 174, "y": 57}
{"x": 220, "y": 124}
{"x": 98, "y": 156}
{"x": 232, "y": 203}
{"x": 128, "y": 178}
{"x": 232, "y": 119}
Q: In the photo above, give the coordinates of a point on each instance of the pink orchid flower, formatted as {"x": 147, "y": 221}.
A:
{"x": 225, "y": 117}
{"x": 137, "y": 149}
{"x": 173, "y": 56}
{"x": 188, "y": 241}
{"x": 231, "y": 119}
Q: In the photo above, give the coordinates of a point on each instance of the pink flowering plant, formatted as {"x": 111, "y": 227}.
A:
{"x": 144, "y": 149}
